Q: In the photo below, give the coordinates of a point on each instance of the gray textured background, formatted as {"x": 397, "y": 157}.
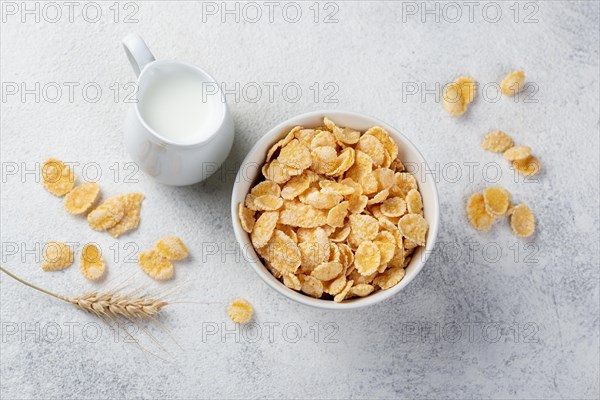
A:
{"x": 511, "y": 319}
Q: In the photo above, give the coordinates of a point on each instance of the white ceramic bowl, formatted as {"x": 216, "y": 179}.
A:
{"x": 251, "y": 169}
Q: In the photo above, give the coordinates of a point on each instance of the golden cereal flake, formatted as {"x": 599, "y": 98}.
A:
{"x": 517, "y": 153}
{"x": 512, "y": 83}
{"x": 414, "y": 202}
{"x": 528, "y": 166}
{"x": 246, "y": 217}
{"x": 367, "y": 258}
{"x": 389, "y": 278}
{"x": 57, "y": 256}
{"x": 264, "y": 228}
{"x": 108, "y": 214}
{"x": 323, "y": 138}
{"x": 288, "y": 138}
{"x": 361, "y": 290}
{"x": 337, "y": 215}
{"x": 468, "y": 88}
{"x": 82, "y": 198}
{"x": 327, "y": 271}
{"x": 384, "y": 137}
{"x": 385, "y": 178}
{"x": 264, "y": 188}
{"x": 172, "y": 248}
{"x": 403, "y": 183}
{"x": 363, "y": 228}
{"x": 295, "y": 155}
{"x": 91, "y": 262}
{"x": 292, "y": 281}
{"x": 268, "y": 202}
{"x": 414, "y": 227}
{"x": 240, "y": 311}
{"x": 335, "y": 286}
{"x": 497, "y": 142}
{"x": 311, "y": 286}
{"x": 276, "y": 172}
{"x": 341, "y": 296}
{"x": 284, "y": 254}
{"x": 477, "y": 214}
{"x": 57, "y": 177}
{"x": 324, "y": 159}
{"x": 522, "y": 221}
{"x": 340, "y": 234}
{"x": 393, "y": 207}
{"x": 295, "y": 186}
{"x": 131, "y": 219}
{"x": 346, "y": 135}
{"x": 302, "y": 215}
{"x": 379, "y": 197}
{"x": 372, "y": 147}
{"x": 453, "y": 101}
{"x": 323, "y": 200}
{"x": 335, "y": 187}
{"x": 496, "y": 200}
{"x": 155, "y": 265}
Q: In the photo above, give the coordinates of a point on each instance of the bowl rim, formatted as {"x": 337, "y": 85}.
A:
{"x": 243, "y": 238}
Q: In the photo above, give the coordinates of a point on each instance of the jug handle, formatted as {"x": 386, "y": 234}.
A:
{"x": 137, "y": 51}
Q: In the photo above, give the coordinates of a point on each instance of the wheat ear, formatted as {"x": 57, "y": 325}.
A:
{"x": 111, "y": 305}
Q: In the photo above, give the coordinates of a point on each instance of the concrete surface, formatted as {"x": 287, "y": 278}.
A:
{"x": 509, "y": 319}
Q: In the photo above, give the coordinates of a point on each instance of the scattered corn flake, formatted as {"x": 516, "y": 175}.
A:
{"x": 131, "y": 219}
{"x": 82, "y": 198}
{"x": 367, "y": 258}
{"x": 240, "y": 311}
{"x": 108, "y": 214}
{"x": 517, "y": 153}
{"x": 522, "y": 221}
{"x": 91, "y": 262}
{"x": 528, "y": 166}
{"x": 497, "y": 142}
{"x": 264, "y": 228}
{"x": 246, "y": 217}
{"x": 172, "y": 248}
{"x": 341, "y": 296}
{"x": 468, "y": 88}
{"x": 57, "y": 256}
{"x": 57, "y": 177}
{"x": 496, "y": 200}
{"x": 414, "y": 202}
{"x": 453, "y": 101}
{"x": 155, "y": 265}
{"x": 414, "y": 227}
{"x": 477, "y": 214}
{"x": 268, "y": 202}
{"x": 512, "y": 83}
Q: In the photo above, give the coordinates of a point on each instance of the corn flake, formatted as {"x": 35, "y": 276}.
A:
{"x": 311, "y": 286}
{"x": 264, "y": 228}
{"x": 57, "y": 177}
{"x": 295, "y": 155}
{"x": 295, "y": 186}
{"x": 522, "y": 221}
{"x": 393, "y": 207}
{"x": 82, "y": 198}
{"x": 367, "y": 258}
{"x": 363, "y": 228}
{"x": 302, "y": 215}
{"x": 246, "y": 217}
{"x": 337, "y": 215}
{"x": 362, "y": 290}
{"x": 413, "y": 227}
{"x": 91, "y": 262}
{"x": 389, "y": 278}
{"x": 107, "y": 215}
{"x": 155, "y": 265}
{"x": 528, "y": 166}
{"x": 344, "y": 293}
{"x": 172, "y": 248}
{"x": 517, "y": 153}
{"x": 496, "y": 200}
{"x": 477, "y": 214}
{"x": 240, "y": 311}
{"x": 497, "y": 142}
{"x": 57, "y": 256}
{"x": 512, "y": 83}
{"x": 327, "y": 271}
{"x": 268, "y": 202}
{"x": 414, "y": 202}
{"x": 131, "y": 219}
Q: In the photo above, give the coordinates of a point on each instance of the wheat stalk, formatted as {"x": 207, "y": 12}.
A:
{"x": 113, "y": 306}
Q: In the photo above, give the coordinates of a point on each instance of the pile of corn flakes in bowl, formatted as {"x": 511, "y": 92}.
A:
{"x": 334, "y": 210}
